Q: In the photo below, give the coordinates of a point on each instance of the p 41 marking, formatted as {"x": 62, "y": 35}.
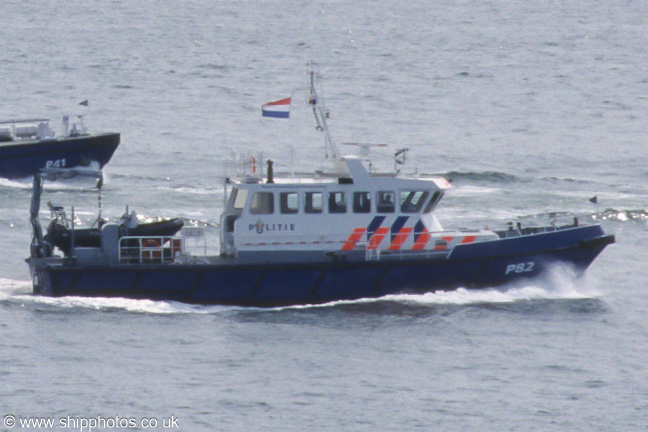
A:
{"x": 58, "y": 163}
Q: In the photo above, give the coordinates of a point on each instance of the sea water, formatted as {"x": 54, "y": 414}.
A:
{"x": 531, "y": 109}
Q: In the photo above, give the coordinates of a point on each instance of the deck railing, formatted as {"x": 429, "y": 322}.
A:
{"x": 149, "y": 250}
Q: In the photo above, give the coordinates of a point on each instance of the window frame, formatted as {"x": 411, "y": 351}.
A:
{"x": 337, "y": 208}
{"x": 309, "y": 208}
{"x": 284, "y": 202}
{"x": 238, "y": 196}
{"x": 432, "y": 203}
{"x": 381, "y": 205}
{"x": 404, "y": 195}
{"x": 263, "y": 207}
{"x": 358, "y": 206}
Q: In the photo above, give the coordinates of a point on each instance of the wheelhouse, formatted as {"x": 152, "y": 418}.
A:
{"x": 322, "y": 213}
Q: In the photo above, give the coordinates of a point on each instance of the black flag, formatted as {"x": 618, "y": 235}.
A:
{"x": 594, "y": 199}
{"x": 84, "y": 103}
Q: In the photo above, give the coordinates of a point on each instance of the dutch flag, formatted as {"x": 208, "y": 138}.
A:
{"x": 278, "y": 109}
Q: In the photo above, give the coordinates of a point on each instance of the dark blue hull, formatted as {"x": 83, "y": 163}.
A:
{"x": 476, "y": 265}
{"x": 24, "y": 159}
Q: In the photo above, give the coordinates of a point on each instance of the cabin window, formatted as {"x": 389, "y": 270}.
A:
{"x": 385, "y": 202}
{"x": 337, "y": 202}
{"x": 433, "y": 202}
{"x": 412, "y": 201}
{"x": 313, "y": 202}
{"x": 361, "y": 202}
{"x": 238, "y": 198}
{"x": 288, "y": 202}
{"x": 262, "y": 203}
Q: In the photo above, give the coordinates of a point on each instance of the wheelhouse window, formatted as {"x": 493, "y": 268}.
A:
{"x": 238, "y": 198}
{"x": 361, "y": 202}
{"x": 337, "y": 202}
{"x": 262, "y": 203}
{"x": 385, "y": 202}
{"x": 288, "y": 202}
{"x": 313, "y": 202}
{"x": 412, "y": 201}
{"x": 436, "y": 197}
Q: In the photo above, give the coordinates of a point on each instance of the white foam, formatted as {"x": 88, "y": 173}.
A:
{"x": 10, "y": 288}
{"x": 119, "y": 303}
{"x": 188, "y": 190}
{"x": 464, "y": 296}
{"x": 472, "y": 190}
{"x": 17, "y": 291}
{"x": 559, "y": 283}
{"x": 26, "y": 183}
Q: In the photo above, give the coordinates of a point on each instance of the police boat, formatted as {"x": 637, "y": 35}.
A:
{"x": 28, "y": 145}
{"x": 341, "y": 235}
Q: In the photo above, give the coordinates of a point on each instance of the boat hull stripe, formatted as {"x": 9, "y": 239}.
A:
{"x": 377, "y": 238}
{"x": 354, "y": 237}
{"x": 400, "y": 238}
{"x": 374, "y": 225}
{"x": 397, "y": 225}
{"x": 421, "y": 241}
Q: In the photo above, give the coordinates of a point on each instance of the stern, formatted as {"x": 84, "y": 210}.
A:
{"x": 41, "y": 280}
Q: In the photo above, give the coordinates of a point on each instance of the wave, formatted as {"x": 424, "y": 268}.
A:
{"x": 190, "y": 190}
{"x": 622, "y": 215}
{"x": 555, "y": 217}
{"x": 117, "y": 304}
{"x": 464, "y": 296}
{"x": 470, "y": 190}
{"x": 571, "y": 180}
{"x": 28, "y": 182}
{"x": 80, "y": 185}
{"x": 10, "y": 288}
{"x": 13, "y": 292}
{"x": 25, "y": 183}
{"x": 486, "y": 176}
{"x": 559, "y": 284}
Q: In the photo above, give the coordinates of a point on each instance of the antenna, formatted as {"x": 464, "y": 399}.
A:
{"x": 320, "y": 114}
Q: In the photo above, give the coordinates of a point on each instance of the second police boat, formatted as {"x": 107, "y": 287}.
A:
{"x": 344, "y": 235}
{"x": 26, "y": 146}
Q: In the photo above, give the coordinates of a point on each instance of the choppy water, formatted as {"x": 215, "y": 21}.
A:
{"x": 531, "y": 109}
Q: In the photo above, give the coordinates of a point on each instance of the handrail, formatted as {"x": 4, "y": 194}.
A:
{"x": 18, "y": 121}
{"x": 149, "y": 249}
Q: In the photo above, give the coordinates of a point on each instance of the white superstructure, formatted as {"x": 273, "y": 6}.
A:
{"x": 343, "y": 214}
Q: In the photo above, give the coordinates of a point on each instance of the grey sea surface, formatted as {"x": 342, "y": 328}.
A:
{"x": 531, "y": 108}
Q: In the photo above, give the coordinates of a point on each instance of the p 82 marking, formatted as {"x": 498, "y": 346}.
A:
{"x": 523, "y": 267}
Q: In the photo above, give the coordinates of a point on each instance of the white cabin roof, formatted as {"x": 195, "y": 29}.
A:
{"x": 350, "y": 172}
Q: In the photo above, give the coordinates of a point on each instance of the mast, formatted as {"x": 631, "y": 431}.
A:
{"x": 320, "y": 115}
{"x": 38, "y": 242}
